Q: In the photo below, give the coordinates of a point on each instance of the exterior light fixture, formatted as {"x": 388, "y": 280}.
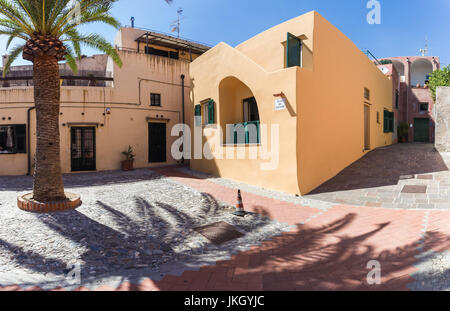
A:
{"x": 108, "y": 110}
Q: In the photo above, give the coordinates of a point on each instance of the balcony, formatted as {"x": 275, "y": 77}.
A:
{"x": 247, "y": 133}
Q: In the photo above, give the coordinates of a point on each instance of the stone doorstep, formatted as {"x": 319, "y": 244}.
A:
{"x": 26, "y": 203}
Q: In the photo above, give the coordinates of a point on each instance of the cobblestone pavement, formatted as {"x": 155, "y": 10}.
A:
{"x": 131, "y": 225}
{"x": 384, "y": 177}
{"x": 328, "y": 247}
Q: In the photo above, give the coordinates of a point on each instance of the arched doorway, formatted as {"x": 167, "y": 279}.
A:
{"x": 239, "y": 112}
{"x": 420, "y": 71}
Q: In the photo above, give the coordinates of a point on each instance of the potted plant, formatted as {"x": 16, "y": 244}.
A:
{"x": 127, "y": 164}
{"x": 402, "y": 131}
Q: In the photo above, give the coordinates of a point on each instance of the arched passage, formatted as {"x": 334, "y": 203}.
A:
{"x": 420, "y": 70}
{"x": 399, "y": 66}
{"x": 239, "y": 113}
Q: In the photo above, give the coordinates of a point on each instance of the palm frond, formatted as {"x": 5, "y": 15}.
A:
{"x": 12, "y": 56}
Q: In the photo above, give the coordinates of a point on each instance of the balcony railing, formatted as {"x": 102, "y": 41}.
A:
{"x": 247, "y": 133}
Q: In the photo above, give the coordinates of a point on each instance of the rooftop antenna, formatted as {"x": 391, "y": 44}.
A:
{"x": 424, "y": 51}
{"x": 132, "y": 22}
{"x": 176, "y": 24}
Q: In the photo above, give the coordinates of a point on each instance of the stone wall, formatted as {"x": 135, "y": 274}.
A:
{"x": 443, "y": 119}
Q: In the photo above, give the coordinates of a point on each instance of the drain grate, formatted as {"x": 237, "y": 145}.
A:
{"x": 219, "y": 232}
{"x": 414, "y": 189}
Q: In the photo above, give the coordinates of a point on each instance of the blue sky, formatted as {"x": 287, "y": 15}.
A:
{"x": 404, "y": 23}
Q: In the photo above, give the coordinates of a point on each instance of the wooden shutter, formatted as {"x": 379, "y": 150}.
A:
{"x": 198, "y": 115}
{"x": 211, "y": 112}
{"x": 293, "y": 51}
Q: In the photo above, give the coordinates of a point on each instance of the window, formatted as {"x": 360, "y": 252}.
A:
{"x": 388, "y": 122}
{"x": 12, "y": 139}
{"x": 366, "y": 93}
{"x": 152, "y": 51}
{"x": 155, "y": 99}
{"x": 293, "y": 51}
{"x": 208, "y": 112}
{"x": 378, "y": 117}
{"x": 423, "y": 107}
{"x": 251, "y": 112}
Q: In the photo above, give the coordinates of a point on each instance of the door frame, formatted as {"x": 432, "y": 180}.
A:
{"x": 428, "y": 131}
{"x": 367, "y": 140}
{"x": 94, "y": 147}
{"x": 165, "y": 143}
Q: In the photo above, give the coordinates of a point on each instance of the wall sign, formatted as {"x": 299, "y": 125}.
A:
{"x": 280, "y": 104}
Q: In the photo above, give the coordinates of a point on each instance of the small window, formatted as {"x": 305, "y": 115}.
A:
{"x": 155, "y": 99}
{"x": 366, "y": 93}
{"x": 423, "y": 107}
{"x": 293, "y": 51}
{"x": 388, "y": 125}
{"x": 378, "y": 117}
{"x": 12, "y": 139}
{"x": 208, "y": 112}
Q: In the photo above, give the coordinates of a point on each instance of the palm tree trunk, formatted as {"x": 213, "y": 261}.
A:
{"x": 48, "y": 184}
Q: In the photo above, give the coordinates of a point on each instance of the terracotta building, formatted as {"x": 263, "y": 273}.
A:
{"x": 413, "y": 103}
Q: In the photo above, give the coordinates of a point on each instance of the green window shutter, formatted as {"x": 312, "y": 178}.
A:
{"x": 385, "y": 121}
{"x": 391, "y": 122}
{"x": 198, "y": 115}
{"x": 211, "y": 112}
{"x": 293, "y": 51}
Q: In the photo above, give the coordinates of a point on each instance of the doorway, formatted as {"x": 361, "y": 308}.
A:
{"x": 422, "y": 130}
{"x": 366, "y": 127}
{"x": 82, "y": 152}
{"x": 157, "y": 143}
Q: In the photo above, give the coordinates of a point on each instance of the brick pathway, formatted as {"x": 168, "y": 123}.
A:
{"x": 329, "y": 249}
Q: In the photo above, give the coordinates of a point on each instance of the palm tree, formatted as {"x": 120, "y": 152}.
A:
{"x": 50, "y": 29}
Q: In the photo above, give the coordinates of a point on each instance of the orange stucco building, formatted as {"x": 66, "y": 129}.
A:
{"x": 310, "y": 93}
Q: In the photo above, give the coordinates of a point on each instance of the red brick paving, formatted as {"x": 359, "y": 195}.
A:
{"x": 330, "y": 252}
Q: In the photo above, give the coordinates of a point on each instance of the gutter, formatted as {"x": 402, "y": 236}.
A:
{"x": 182, "y": 107}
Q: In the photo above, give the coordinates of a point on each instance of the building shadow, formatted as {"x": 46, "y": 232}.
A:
{"x": 385, "y": 167}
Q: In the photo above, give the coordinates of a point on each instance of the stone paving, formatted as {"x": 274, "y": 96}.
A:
{"x": 382, "y": 179}
{"x": 131, "y": 225}
{"x": 328, "y": 247}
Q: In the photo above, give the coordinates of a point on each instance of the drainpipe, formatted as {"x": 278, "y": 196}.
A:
{"x": 29, "y": 140}
{"x": 182, "y": 108}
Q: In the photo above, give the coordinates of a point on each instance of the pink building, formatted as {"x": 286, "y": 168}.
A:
{"x": 413, "y": 103}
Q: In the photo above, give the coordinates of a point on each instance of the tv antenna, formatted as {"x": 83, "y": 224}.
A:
{"x": 424, "y": 51}
{"x": 176, "y": 24}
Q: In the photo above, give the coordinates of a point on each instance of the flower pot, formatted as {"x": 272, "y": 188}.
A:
{"x": 127, "y": 165}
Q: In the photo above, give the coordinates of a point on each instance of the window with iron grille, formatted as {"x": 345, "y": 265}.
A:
{"x": 155, "y": 99}
{"x": 13, "y": 139}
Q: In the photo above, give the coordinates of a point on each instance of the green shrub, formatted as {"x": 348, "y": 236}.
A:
{"x": 439, "y": 77}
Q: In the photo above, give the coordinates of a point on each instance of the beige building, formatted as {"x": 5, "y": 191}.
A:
{"x": 105, "y": 109}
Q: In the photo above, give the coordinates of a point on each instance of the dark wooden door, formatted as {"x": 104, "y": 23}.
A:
{"x": 83, "y": 149}
{"x": 157, "y": 143}
{"x": 422, "y": 130}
